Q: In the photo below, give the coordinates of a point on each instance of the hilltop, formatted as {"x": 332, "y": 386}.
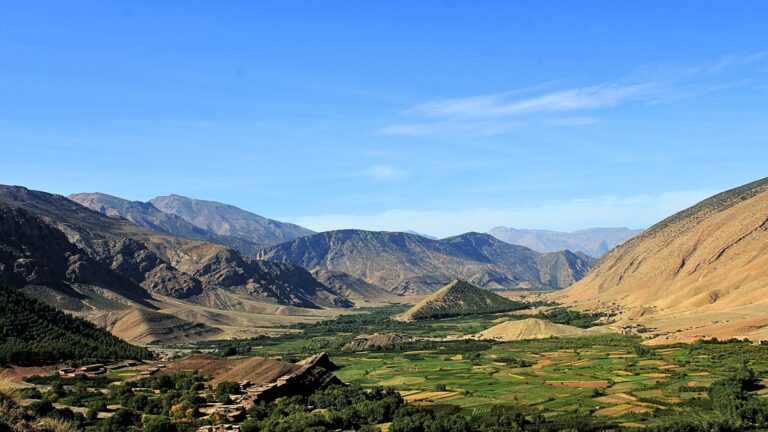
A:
{"x": 702, "y": 272}
{"x": 412, "y": 264}
{"x": 459, "y": 298}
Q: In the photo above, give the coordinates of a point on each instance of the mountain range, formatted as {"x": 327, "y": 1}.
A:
{"x": 593, "y": 241}
{"x": 405, "y": 263}
{"x": 193, "y": 219}
{"x": 701, "y": 272}
{"x": 97, "y": 266}
{"x": 175, "y": 269}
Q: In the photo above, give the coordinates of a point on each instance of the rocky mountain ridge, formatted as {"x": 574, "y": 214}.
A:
{"x": 138, "y": 260}
{"x": 412, "y": 264}
{"x": 228, "y": 220}
{"x": 145, "y": 214}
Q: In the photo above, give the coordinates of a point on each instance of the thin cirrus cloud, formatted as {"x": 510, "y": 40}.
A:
{"x": 489, "y": 106}
{"x": 495, "y": 114}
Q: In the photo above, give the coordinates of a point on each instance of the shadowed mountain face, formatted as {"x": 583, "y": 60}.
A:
{"x": 49, "y": 240}
{"x": 704, "y": 269}
{"x": 408, "y": 263}
{"x": 593, "y": 242}
{"x": 230, "y": 221}
{"x": 34, "y": 253}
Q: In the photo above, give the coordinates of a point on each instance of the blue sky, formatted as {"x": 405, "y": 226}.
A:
{"x": 441, "y": 117}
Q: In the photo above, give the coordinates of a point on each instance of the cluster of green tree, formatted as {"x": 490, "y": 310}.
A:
{"x": 513, "y": 361}
{"x": 28, "y": 418}
{"x": 233, "y": 348}
{"x": 33, "y": 333}
{"x": 350, "y": 408}
{"x": 513, "y": 418}
{"x": 727, "y": 350}
{"x": 176, "y": 395}
{"x": 571, "y": 317}
{"x": 733, "y": 397}
{"x": 162, "y": 403}
{"x": 377, "y": 320}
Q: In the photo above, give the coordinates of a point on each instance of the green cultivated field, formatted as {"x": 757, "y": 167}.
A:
{"x": 601, "y": 375}
{"x": 589, "y": 384}
{"x": 613, "y": 380}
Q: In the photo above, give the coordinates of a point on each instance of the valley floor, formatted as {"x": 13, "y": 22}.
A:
{"x": 608, "y": 382}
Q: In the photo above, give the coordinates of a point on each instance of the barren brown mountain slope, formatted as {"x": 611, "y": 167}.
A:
{"x": 703, "y": 271}
{"x": 147, "y": 327}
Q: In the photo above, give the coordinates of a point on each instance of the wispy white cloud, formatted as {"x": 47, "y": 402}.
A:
{"x": 738, "y": 60}
{"x": 385, "y": 173}
{"x": 498, "y": 113}
{"x": 577, "y": 99}
{"x": 637, "y": 211}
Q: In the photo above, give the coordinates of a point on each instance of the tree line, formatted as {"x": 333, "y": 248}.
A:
{"x": 33, "y": 333}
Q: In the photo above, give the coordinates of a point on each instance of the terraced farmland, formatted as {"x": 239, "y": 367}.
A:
{"x": 607, "y": 379}
{"x": 613, "y": 380}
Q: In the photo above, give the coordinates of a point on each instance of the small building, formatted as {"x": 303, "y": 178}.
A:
{"x": 220, "y": 428}
{"x": 92, "y": 368}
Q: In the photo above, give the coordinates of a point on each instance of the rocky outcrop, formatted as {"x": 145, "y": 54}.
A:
{"x": 320, "y": 360}
{"x": 307, "y": 377}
